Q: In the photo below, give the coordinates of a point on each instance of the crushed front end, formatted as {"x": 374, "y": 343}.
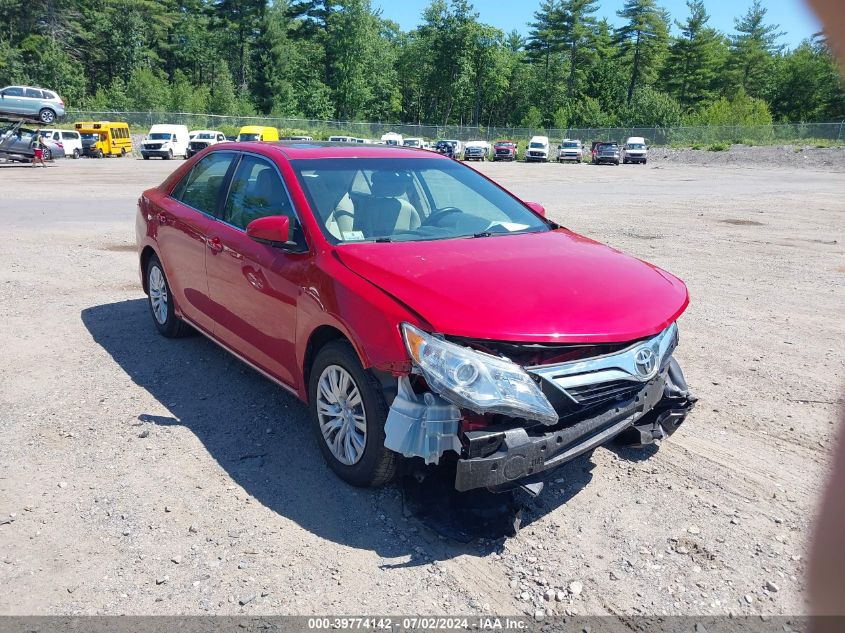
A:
{"x": 507, "y": 413}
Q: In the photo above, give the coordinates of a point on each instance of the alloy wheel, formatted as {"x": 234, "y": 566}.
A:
{"x": 158, "y": 294}
{"x": 341, "y": 415}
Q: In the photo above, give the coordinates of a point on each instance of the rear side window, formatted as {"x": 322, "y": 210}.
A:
{"x": 33, "y": 93}
{"x": 201, "y": 188}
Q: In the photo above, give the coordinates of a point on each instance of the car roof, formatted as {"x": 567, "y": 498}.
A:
{"x": 298, "y": 150}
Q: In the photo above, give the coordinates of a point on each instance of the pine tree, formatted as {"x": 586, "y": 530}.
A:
{"x": 753, "y": 49}
{"x": 695, "y": 59}
{"x": 642, "y": 40}
{"x": 578, "y": 26}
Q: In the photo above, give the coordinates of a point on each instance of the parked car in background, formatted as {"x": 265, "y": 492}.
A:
{"x": 635, "y": 150}
{"x": 28, "y": 102}
{"x": 505, "y": 150}
{"x": 69, "y": 140}
{"x": 204, "y": 138}
{"x": 258, "y": 133}
{"x": 606, "y": 153}
{"x": 16, "y": 143}
{"x": 104, "y": 138}
{"x": 364, "y": 141}
{"x": 397, "y": 295}
{"x": 295, "y": 138}
{"x": 538, "y": 150}
{"x": 476, "y": 150}
{"x": 341, "y": 139}
{"x": 416, "y": 143}
{"x": 165, "y": 141}
{"x": 570, "y": 151}
{"x": 447, "y": 148}
{"x": 392, "y": 138}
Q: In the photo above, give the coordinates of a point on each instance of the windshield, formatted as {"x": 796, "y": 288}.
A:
{"x": 608, "y": 146}
{"x": 636, "y": 146}
{"x": 537, "y": 145}
{"x": 206, "y": 135}
{"x": 249, "y": 137}
{"x": 160, "y": 136}
{"x": 570, "y": 145}
{"x": 408, "y": 200}
{"x": 90, "y": 137}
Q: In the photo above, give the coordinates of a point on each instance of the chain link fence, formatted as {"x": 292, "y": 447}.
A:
{"x": 679, "y": 136}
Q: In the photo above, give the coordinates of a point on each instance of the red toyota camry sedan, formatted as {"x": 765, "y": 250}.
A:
{"x": 420, "y": 310}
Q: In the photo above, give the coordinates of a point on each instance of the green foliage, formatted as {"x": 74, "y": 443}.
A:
{"x": 717, "y": 147}
{"x": 741, "y": 110}
{"x": 340, "y": 59}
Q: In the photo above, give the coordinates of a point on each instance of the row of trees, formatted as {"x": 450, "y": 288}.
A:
{"x": 339, "y": 59}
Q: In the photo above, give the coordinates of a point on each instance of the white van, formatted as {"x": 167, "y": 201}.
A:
{"x": 341, "y": 139}
{"x": 165, "y": 141}
{"x": 538, "y": 150}
{"x": 635, "y": 150}
{"x": 70, "y": 140}
{"x": 392, "y": 138}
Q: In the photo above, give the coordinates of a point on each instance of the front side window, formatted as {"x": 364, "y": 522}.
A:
{"x": 13, "y": 91}
{"x": 414, "y": 199}
{"x": 257, "y": 191}
{"x": 201, "y": 188}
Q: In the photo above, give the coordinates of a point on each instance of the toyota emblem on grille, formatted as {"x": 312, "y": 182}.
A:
{"x": 645, "y": 360}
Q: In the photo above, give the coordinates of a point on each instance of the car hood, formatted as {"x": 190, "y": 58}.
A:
{"x": 542, "y": 287}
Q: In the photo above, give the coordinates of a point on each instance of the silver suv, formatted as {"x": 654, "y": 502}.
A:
{"x": 31, "y": 103}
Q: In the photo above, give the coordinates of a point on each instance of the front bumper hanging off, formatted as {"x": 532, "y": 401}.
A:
{"x": 513, "y": 456}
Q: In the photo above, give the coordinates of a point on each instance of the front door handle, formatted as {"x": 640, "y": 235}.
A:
{"x": 214, "y": 244}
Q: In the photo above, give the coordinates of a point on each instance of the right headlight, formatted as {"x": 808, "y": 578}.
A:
{"x": 476, "y": 381}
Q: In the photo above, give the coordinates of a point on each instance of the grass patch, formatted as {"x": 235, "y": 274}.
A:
{"x": 717, "y": 147}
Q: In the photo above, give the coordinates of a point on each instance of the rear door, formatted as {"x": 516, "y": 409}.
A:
{"x": 183, "y": 220}
{"x": 255, "y": 287}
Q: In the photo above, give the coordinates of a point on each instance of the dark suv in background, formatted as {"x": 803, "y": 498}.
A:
{"x": 605, "y": 152}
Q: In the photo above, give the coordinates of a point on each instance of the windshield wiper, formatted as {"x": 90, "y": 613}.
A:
{"x": 483, "y": 234}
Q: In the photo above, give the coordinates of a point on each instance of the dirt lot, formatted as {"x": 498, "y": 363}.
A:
{"x": 147, "y": 476}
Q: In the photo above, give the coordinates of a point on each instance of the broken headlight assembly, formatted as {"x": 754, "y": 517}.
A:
{"x": 475, "y": 380}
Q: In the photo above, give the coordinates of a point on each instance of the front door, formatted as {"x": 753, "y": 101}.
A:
{"x": 183, "y": 220}
{"x": 255, "y": 287}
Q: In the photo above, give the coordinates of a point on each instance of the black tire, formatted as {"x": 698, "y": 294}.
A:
{"x": 46, "y": 115}
{"x": 99, "y": 153}
{"x": 47, "y": 154}
{"x": 173, "y": 326}
{"x": 169, "y": 155}
{"x": 122, "y": 152}
{"x": 146, "y": 156}
{"x": 377, "y": 465}
{"x": 75, "y": 154}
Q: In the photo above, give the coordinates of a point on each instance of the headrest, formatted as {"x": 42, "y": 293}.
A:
{"x": 390, "y": 184}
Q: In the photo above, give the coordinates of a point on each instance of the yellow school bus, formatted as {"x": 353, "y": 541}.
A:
{"x": 104, "y": 138}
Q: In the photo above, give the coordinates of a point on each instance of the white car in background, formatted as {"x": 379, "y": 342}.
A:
{"x": 392, "y": 138}
{"x": 419, "y": 143}
{"x": 570, "y": 150}
{"x": 538, "y": 150}
{"x": 200, "y": 139}
{"x": 165, "y": 141}
{"x": 70, "y": 140}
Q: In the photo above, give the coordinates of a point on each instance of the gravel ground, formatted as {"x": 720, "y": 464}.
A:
{"x": 792, "y": 156}
{"x": 147, "y": 476}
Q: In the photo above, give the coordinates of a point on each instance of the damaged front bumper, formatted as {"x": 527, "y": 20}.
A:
{"x": 507, "y": 458}
{"x": 637, "y": 394}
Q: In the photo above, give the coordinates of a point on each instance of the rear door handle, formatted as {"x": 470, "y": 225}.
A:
{"x": 214, "y": 244}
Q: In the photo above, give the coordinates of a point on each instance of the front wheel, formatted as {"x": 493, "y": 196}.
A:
{"x": 161, "y": 302}
{"x": 348, "y": 412}
{"x": 75, "y": 154}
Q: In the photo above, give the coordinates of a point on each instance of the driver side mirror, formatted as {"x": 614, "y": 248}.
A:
{"x": 273, "y": 230}
{"x": 537, "y": 208}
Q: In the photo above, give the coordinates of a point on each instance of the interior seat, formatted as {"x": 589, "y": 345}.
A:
{"x": 386, "y": 213}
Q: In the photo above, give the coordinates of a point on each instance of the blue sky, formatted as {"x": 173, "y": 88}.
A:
{"x": 794, "y": 17}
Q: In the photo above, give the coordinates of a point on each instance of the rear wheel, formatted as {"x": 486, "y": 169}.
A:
{"x": 47, "y": 153}
{"x": 161, "y": 302}
{"x": 75, "y": 154}
{"x": 46, "y": 115}
{"x": 348, "y": 412}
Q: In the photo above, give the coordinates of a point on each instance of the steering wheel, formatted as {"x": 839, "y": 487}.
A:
{"x": 435, "y": 217}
